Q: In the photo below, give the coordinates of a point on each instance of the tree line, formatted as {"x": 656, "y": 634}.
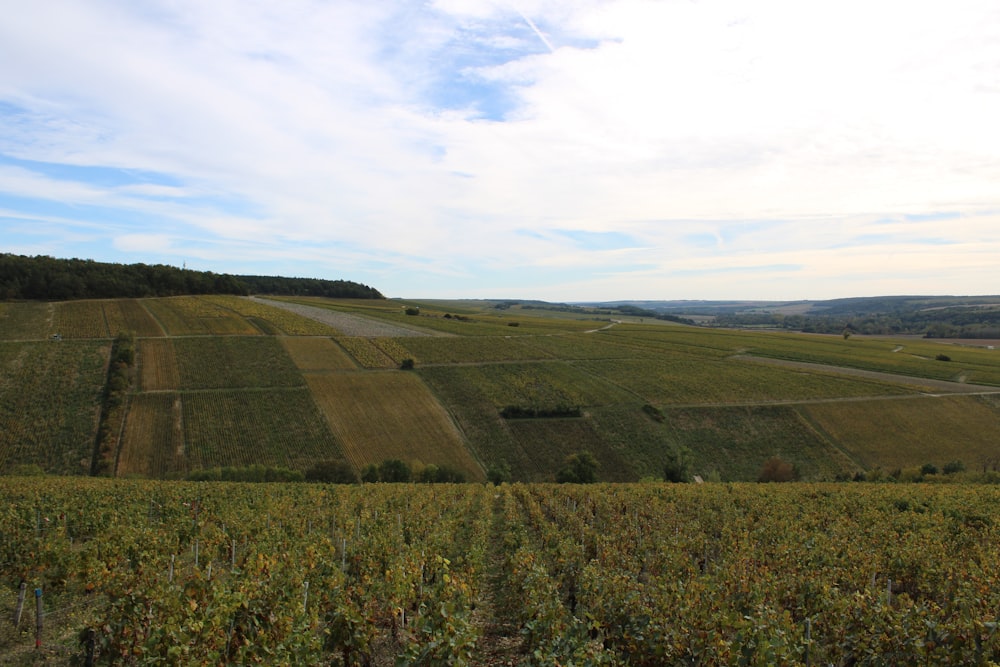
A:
{"x": 48, "y": 278}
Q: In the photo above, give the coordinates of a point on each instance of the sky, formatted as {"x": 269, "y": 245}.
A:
{"x": 566, "y": 150}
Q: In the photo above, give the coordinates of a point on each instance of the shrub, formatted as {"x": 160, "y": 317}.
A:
{"x": 952, "y": 467}
{"x": 678, "y": 465}
{"x": 929, "y": 469}
{"x": 407, "y": 365}
{"x": 331, "y": 472}
{"x": 394, "y": 470}
{"x": 943, "y": 357}
{"x": 498, "y": 473}
{"x": 579, "y": 468}
{"x": 777, "y": 470}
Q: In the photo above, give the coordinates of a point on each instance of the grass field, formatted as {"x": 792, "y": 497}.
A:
{"x": 390, "y": 415}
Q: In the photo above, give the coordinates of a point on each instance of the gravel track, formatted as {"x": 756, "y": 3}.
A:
{"x": 349, "y": 324}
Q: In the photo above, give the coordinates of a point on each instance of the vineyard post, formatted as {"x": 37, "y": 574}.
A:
{"x": 305, "y": 596}
{"x": 888, "y": 591}
{"x": 232, "y": 554}
{"x": 196, "y": 552}
{"x": 38, "y": 618}
{"x": 91, "y": 647}
{"x": 22, "y": 590}
{"x": 808, "y": 640}
{"x": 170, "y": 577}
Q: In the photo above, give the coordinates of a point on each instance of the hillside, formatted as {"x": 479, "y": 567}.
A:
{"x": 223, "y": 380}
{"x": 975, "y": 317}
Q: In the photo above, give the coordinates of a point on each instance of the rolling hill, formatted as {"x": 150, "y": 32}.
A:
{"x": 226, "y": 380}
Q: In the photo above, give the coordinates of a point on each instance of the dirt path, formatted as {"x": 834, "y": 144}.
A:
{"x": 350, "y": 324}
{"x": 939, "y": 386}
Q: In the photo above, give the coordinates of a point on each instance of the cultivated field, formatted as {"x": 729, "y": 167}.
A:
{"x": 139, "y": 572}
{"x": 380, "y": 416}
{"x": 231, "y": 381}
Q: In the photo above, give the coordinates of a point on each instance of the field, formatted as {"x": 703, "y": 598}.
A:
{"x": 379, "y": 416}
{"x": 898, "y": 434}
{"x": 232, "y": 381}
{"x": 313, "y": 355}
{"x": 244, "y": 428}
{"x": 137, "y": 572}
{"x": 49, "y": 394}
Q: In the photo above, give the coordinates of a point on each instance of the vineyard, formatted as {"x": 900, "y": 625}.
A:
{"x": 137, "y": 572}
{"x": 371, "y": 414}
{"x": 232, "y": 381}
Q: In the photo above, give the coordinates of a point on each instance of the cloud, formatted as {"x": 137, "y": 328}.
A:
{"x": 661, "y": 144}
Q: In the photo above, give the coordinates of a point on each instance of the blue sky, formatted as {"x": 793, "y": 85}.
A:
{"x": 562, "y": 150}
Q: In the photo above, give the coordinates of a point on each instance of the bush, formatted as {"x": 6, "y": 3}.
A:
{"x": 579, "y": 468}
{"x": 952, "y": 467}
{"x": 677, "y": 468}
{"x": 412, "y": 310}
{"x": 331, "y": 472}
{"x": 777, "y": 470}
{"x": 407, "y": 365}
{"x": 394, "y": 470}
{"x": 498, "y": 473}
{"x": 929, "y": 469}
{"x": 943, "y": 357}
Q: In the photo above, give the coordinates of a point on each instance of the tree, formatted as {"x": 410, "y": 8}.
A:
{"x": 777, "y": 470}
{"x": 394, "y": 470}
{"x": 498, "y": 473}
{"x": 677, "y": 467}
{"x": 331, "y": 472}
{"x": 580, "y": 468}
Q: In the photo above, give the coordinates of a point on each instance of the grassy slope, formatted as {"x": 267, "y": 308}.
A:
{"x": 235, "y": 396}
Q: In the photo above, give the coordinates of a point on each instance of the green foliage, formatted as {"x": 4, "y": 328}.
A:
{"x": 407, "y": 364}
{"x": 254, "y": 473}
{"x": 677, "y": 467}
{"x": 579, "y": 468}
{"x": 394, "y": 470}
{"x": 498, "y": 473}
{"x": 435, "y": 474}
{"x": 953, "y": 467}
{"x": 331, "y": 472}
{"x": 42, "y": 277}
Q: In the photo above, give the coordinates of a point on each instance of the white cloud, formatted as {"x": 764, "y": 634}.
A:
{"x": 715, "y": 134}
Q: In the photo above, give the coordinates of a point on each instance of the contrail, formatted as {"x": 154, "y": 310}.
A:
{"x": 531, "y": 24}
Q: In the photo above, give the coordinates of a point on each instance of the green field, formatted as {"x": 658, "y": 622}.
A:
{"x": 231, "y": 381}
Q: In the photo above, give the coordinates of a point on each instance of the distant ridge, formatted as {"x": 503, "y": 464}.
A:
{"x": 47, "y": 278}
